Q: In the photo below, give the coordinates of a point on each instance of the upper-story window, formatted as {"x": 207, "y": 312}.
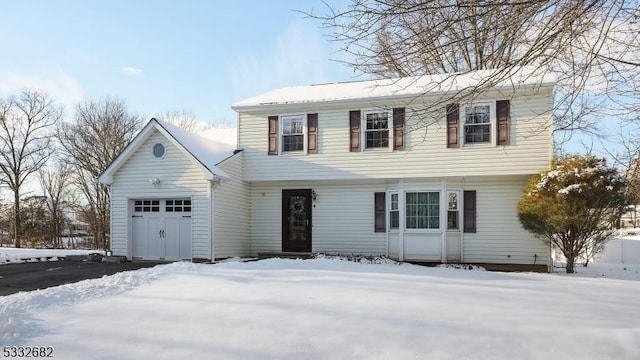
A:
{"x": 477, "y": 124}
{"x": 293, "y": 133}
{"x": 483, "y": 123}
{"x": 371, "y": 129}
{"x": 376, "y": 129}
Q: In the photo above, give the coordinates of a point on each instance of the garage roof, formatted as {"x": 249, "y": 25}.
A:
{"x": 206, "y": 153}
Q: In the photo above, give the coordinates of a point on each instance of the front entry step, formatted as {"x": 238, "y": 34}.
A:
{"x": 285, "y": 255}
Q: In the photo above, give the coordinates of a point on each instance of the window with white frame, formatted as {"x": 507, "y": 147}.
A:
{"x": 376, "y": 125}
{"x": 453, "y": 210}
{"x": 477, "y": 124}
{"x": 292, "y": 133}
{"x": 394, "y": 212}
{"x": 422, "y": 210}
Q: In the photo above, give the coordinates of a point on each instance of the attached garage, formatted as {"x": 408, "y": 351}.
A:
{"x": 174, "y": 195}
{"x": 161, "y": 229}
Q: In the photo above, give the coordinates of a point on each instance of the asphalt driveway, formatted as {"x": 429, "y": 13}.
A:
{"x": 40, "y": 275}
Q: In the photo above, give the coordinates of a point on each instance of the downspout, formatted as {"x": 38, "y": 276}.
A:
{"x": 210, "y": 225}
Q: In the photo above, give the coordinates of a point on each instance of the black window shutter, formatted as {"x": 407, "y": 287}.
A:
{"x": 273, "y": 135}
{"x": 453, "y": 115}
{"x": 354, "y": 130}
{"x": 470, "y": 211}
{"x": 398, "y": 128}
{"x": 312, "y": 133}
{"x": 503, "y": 119}
{"x": 380, "y": 217}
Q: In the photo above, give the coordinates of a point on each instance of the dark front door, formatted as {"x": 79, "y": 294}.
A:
{"x": 296, "y": 220}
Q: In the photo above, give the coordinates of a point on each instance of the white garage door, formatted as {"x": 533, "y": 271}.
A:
{"x": 161, "y": 229}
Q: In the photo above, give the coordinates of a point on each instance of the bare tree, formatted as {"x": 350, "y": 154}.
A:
{"x": 627, "y": 158}
{"x": 100, "y": 131}
{"x": 26, "y": 124}
{"x": 184, "y": 119}
{"x": 55, "y": 184}
{"x": 590, "y": 44}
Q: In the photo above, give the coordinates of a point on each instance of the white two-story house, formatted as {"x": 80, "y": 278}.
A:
{"x": 418, "y": 169}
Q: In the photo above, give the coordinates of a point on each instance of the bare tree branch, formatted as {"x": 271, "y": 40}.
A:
{"x": 26, "y": 124}
{"x": 100, "y": 131}
{"x": 592, "y": 46}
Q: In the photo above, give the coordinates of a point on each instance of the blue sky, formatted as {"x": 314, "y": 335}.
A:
{"x": 196, "y": 55}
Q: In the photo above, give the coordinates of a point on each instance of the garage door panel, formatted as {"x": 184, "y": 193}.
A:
{"x": 172, "y": 240}
{"x": 185, "y": 237}
{"x": 156, "y": 242}
{"x": 140, "y": 237}
{"x": 161, "y": 229}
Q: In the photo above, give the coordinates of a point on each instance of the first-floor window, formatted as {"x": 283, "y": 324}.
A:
{"x": 293, "y": 133}
{"x": 394, "y": 212}
{"x": 453, "y": 211}
{"x": 422, "y": 210}
{"x": 376, "y": 129}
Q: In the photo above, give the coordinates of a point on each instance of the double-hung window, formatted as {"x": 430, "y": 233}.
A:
{"x": 376, "y": 129}
{"x": 477, "y": 124}
{"x": 422, "y": 210}
{"x": 293, "y": 133}
{"x": 394, "y": 212}
{"x": 453, "y": 210}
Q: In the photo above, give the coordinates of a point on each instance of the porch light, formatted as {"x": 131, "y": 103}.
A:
{"x": 154, "y": 181}
{"x": 314, "y": 195}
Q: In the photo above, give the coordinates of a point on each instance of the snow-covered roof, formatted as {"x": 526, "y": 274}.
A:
{"x": 206, "y": 153}
{"x": 397, "y": 87}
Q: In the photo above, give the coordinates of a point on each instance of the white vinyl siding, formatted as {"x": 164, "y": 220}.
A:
{"x": 499, "y": 237}
{"x": 530, "y": 148}
{"x": 231, "y": 212}
{"x": 342, "y": 217}
{"x": 179, "y": 178}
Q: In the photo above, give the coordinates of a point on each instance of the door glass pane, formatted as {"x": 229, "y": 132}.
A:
{"x": 297, "y": 217}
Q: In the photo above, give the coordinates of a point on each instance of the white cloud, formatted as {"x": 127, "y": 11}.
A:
{"x": 131, "y": 70}
{"x": 58, "y": 84}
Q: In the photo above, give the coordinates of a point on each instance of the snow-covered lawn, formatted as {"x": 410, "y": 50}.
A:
{"x": 12, "y": 255}
{"x": 332, "y": 309}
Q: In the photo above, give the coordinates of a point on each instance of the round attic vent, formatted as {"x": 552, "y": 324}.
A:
{"x": 158, "y": 150}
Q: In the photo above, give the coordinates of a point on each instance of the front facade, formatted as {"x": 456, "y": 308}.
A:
{"x": 410, "y": 176}
{"x": 402, "y": 168}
